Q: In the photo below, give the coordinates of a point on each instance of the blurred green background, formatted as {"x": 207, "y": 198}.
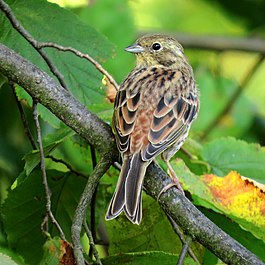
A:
{"x": 219, "y": 74}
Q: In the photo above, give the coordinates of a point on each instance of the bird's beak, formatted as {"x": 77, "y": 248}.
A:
{"x": 135, "y": 48}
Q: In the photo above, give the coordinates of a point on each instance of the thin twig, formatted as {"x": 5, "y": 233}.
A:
{"x": 184, "y": 250}
{"x": 102, "y": 166}
{"x": 43, "y": 171}
{"x": 34, "y": 43}
{"x": 31, "y": 138}
{"x": 23, "y": 118}
{"x": 230, "y": 103}
{"x": 93, "y": 202}
{"x": 57, "y": 160}
{"x": 92, "y": 243}
{"x": 81, "y": 55}
{"x": 181, "y": 237}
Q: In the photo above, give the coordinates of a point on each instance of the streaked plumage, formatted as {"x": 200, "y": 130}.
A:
{"x": 153, "y": 111}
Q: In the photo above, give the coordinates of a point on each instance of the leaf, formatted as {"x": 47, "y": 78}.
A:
{"x": 10, "y": 256}
{"x": 148, "y": 236}
{"x": 64, "y": 28}
{"x": 244, "y": 237}
{"x": 46, "y": 115}
{"x": 50, "y": 142}
{"x": 24, "y": 210}
{"x": 57, "y": 251}
{"x": 76, "y": 152}
{"x": 146, "y": 258}
{"x": 6, "y": 260}
{"x": 154, "y": 233}
{"x": 228, "y": 154}
{"x": 2, "y": 80}
{"x": 238, "y": 199}
{"x": 100, "y": 15}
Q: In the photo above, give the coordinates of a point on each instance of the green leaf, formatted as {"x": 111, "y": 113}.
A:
{"x": 154, "y": 233}
{"x": 227, "y": 154}
{"x": 24, "y": 210}
{"x": 57, "y": 251}
{"x": 51, "y": 253}
{"x": 2, "y": 80}
{"x": 146, "y": 258}
{"x": 10, "y": 257}
{"x": 6, "y": 260}
{"x": 46, "y": 115}
{"x": 244, "y": 237}
{"x": 148, "y": 236}
{"x": 50, "y": 142}
{"x": 64, "y": 28}
{"x": 76, "y": 152}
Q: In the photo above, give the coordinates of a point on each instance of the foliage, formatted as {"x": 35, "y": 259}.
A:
{"x": 214, "y": 176}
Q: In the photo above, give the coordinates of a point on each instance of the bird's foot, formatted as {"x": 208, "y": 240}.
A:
{"x": 175, "y": 183}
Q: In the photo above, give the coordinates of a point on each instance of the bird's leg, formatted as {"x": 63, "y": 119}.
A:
{"x": 175, "y": 181}
{"x": 174, "y": 178}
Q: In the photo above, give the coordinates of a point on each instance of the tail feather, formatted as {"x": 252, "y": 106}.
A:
{"x": 128, "y": 194}
{"x": 118, "y": 199}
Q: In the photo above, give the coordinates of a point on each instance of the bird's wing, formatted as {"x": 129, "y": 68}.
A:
{"x": 176, "y": 109}
{"x": 173, "y": 107}
{"x": 125, "y": 108}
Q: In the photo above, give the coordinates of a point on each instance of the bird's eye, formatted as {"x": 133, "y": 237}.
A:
{"x": 156, "y": 46}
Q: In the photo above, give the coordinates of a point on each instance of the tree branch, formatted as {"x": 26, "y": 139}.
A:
{"x": 59, "y": 101}
{"x": 85, "y": 200}
{"x": 43, "y": 88}
{"x": 194, "y": 223}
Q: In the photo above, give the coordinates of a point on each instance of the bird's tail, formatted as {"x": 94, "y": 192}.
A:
{"x": 128, "y": 194}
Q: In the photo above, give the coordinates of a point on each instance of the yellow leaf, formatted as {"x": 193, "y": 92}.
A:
{"x": 237, "y": 196}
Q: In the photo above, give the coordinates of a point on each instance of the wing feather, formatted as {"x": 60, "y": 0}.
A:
{"x": 172, "y": 107}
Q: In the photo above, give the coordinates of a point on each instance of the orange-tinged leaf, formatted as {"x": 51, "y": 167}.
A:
{"x": 57, "y": 251}
{"x": 66, "y": 254}
{"x": 237, "y": 196}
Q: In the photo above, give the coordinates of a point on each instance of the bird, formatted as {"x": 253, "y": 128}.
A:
{"x": 153, "y": 112}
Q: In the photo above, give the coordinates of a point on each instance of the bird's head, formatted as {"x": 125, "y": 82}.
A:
{"x": 157, "y": 49}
